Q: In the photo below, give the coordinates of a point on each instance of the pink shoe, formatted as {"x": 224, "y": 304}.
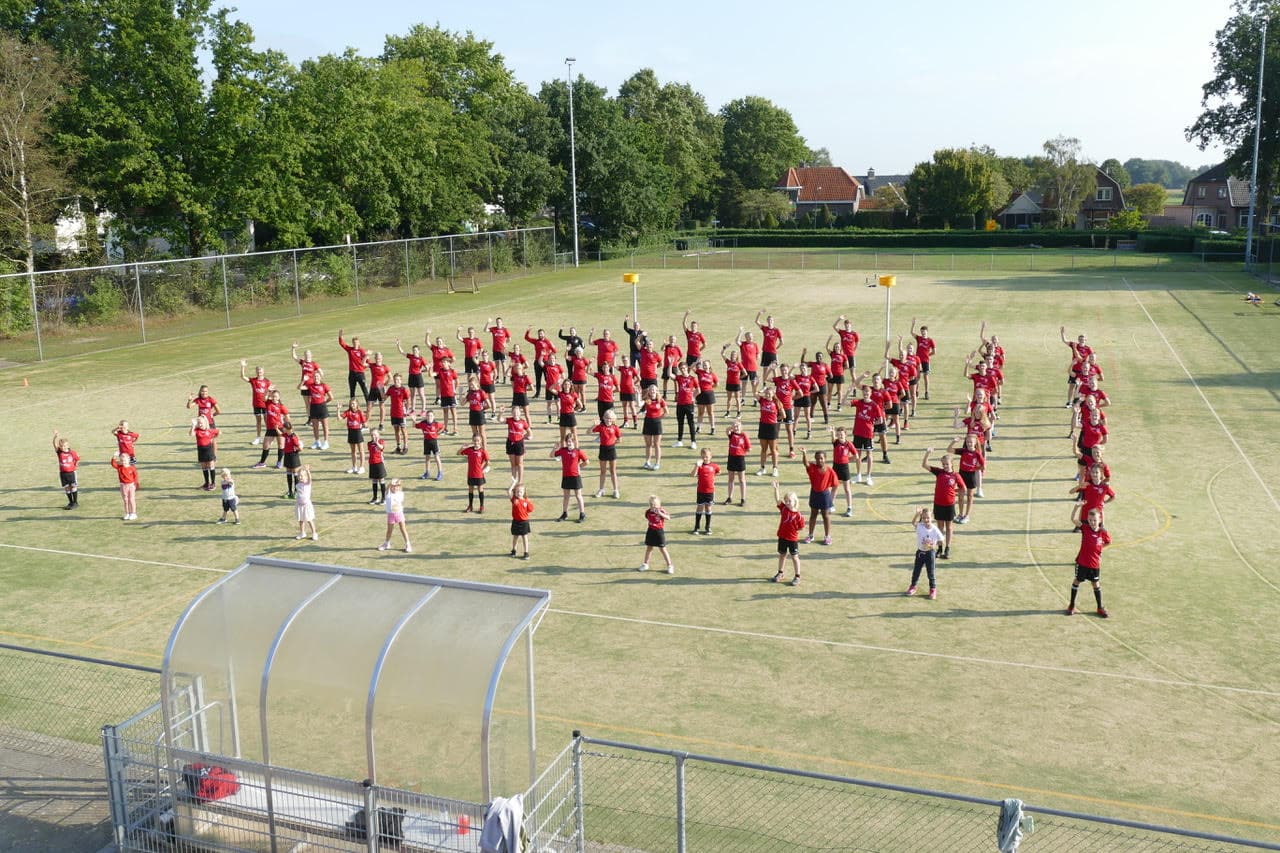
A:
{"x": 911, "y": 590}
{"x": 933, "y": 595}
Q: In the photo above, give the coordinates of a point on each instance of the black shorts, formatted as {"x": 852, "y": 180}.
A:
{"x": 520, "y": 398}
{"x": 880, "y": 429}
{"x": 469, "y": 365}
{"x": 836, "y": 380}
{"x": 768, "y": 359}
{"x": 801, "y": 403}
{"x": 753, "y": 376}
{"x": 1086, "y": 453}
{"x": 515, "y": 448}
{"x": 549, "y": 394}
{"x": 1071, "y": 380}
{"x": 648, "y": 383}
{"x": 655, "y": 538}
{"x": 608, "y": 453}
{"x": 915, "y": 381}
{"x": 520, "y": 528}
{"x": 430, "y": 447}
{"x": 376, "y": 394}
{"x": 768, "y": 432}
{"x": 475, "y": 481}
{"x": 397, "y": 422}
{"x": 821, "y": 500}
{"x": 68, "y": 478}
{"x": 652, "y": 426}
{"x": 568, "y": 420}
{"x": 666, "y": 373}
{"x": 944, "y": 512}
{"x": 706, "y": 398}
{"x": 499, "y": 355}
{"x": 475, "y": 418}
{"x": 788, "y": 546}
{"x": 705, "y": 498}
{"x": 259, "y": 410}
{"x": 970, "y": 479}
{"x": 377, "y": 470}
{"x": 628, "y": 397}
{"x": 355, "y": 436}
{"x": 318, "y": 412}
{"x": 690, "y": 360}
{"x": 293, "y": 461}
{"x": 448, "y": 402}
{"x": 789, "y": 415}
{"x": 1083, "y": 574}
{"x": 230, "y": 506}
{"x": 684, "y": 409}
{"x": 416, "y": 381}
{"x": 862, "y": 442}
{"x": 488, "y": 389}
{"x": 842, "y": 471}
{"x": 206, "y": 453}
{"x": 895, "y": 409}
{"x": 272, "y": 432}
{"x": 571, "y": 483}
{"x": 732, "y": 387}
{"x": 924, "y": 368}
{"x": 737, "y": 463}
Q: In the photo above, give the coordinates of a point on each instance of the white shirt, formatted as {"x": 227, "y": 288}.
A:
{"x": 928, "y": 535}
{"x": 395, "y": 501}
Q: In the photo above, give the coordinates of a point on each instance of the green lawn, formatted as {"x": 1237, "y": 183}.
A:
{"x": 1167, "y": 712}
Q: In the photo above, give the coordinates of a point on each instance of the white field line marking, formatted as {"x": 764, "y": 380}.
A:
{"x": 842, "y": 644}
{"x": 1223, "y": 523}
{"x": 119, "y": 559}
{"x": 1208, "y": 405}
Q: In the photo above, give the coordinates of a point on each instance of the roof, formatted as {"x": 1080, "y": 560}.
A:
{"x": 1021, "y": 202}
{"x": 871, "y": 183}
{"x": 820, "y": 184}
{"x": 1237, "y": 189}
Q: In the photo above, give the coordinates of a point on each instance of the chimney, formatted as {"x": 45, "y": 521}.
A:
{"x": 871, "y": 174}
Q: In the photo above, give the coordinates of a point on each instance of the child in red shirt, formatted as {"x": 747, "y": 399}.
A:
{"x": 704, "y": 471}
{"x": 790, "y": 523}
{"x": 521, "y": 512}
{"x": 822, "y": 491}
{"x": 571, "y": 459}
{"x": 739, "y": 447}
{"x": 656, "y": 536}
{"x": 477, "y": 467}
{"x": 431, "y": 430}
{"x": 128, "y": 476}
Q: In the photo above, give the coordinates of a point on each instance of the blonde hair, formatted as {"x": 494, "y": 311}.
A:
{"x": 226, "y": 473}
{"x": 791, "y": 499}
{"x": 655, "y": 501}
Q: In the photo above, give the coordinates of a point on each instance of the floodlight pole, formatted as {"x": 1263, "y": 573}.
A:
{"x": 573, "y": 162}
{"x": 1257, "y": 134}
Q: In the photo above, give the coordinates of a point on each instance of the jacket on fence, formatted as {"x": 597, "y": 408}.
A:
{"x": 1009, "y": 828}
{"x": 503, "y": 826}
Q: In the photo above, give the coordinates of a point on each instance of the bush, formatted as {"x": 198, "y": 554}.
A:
{"x": 102, "y": 304}
{"x": 1224, "y": 250}
{"x": 914, "y": 239}
{"x": 1173, "y": 243}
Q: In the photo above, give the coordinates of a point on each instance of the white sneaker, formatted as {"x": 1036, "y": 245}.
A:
{"x": 678, "y": 444}
{"x": 315, "y": 537}
{"x": 775, "y": 472}
{"x": 870, "y": 482}
{"x": 848, "y": 513}
{"x": 857, "y": 478}
{"x": 693, "y": 445}
{"x": 760, "y": 473}
{"x": 124, "y": 517}
{"x": 599, "y": 493}
{"x": 978, "y": 493}
{"x": 655, "y": 467}
{"x": 324, "y": 445}
{"x": 315, "y": 445}
{"x": 360, "y": 470}
{"x": 408, "y": 549}
{"x": 257, "y": 441}
{"x": 301, "y": 536}
{"x": 133, "y": 516}
{"x": 384, "y": 546}
{"x": 616, "y": 494}
{"x": 671, "y": 570}
{"x": 644, "y": 567}
{"x": 351, "y": 470}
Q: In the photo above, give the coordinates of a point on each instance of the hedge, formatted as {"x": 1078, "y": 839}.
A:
{"x": 830, "y": 238}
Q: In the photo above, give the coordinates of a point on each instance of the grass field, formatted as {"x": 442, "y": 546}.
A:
{"x": 1167, "y": 712}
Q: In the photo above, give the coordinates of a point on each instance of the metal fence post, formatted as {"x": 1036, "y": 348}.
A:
{"x": 1033, "y": 261}
{"x": 488, "y": 239}
{"x": 408, "y": 279}
{"x": 355, "y": 272}
{"x": 371, "y": 822}
{"x": 580, "y": 828}
{"x": 226, "y": 296}
{"x": 115, "y": 783}
{"x": 297, "y": 284}
{"x": 913, "y": 261}
{"x": 35, "y": 315}
{"x": 452, "y": 270}
{"x": 680, "y": 834}
{"x": 137, "y": 289}
{"x": 993, "y": 261}
{"x": 837, "y": 262}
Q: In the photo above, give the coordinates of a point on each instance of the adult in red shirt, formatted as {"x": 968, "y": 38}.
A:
{"x": 318, "y": 398}
{"x": 543, "y": 351}
{"x": 447, "y": 385}
{"x": 732, "y": 381}
{"x": 704, "y": 473}
{"x": 440, "y": 353}
{"x": 306, "y": 363}
{"x": 822, "y": 492}
{"x": 579, "y": 367}
{"x": 736, "y": 462}
{"x": 518, "y": 430}
{"x": 609, "y": 435}
{"x": 355, "y": 419}
{"x": 417, "y": 380}
{"x": 973, "y": 464}
{"x": 606, "y": 386}
{"x": 695, "y": 341}
{"x": 849, "y": 340}
{"x": 819, "y": 372}
{"x": 1093, "y": 538}
{"x": 398, "y": 395}
{"x": 206, "y": 449}
{"x": 784, "y": 391}
{"x": 275, "y": 416}
{"x": 837, "y": 365}
{"x": 487, "y": 370}
{"x": 606, "y": 348}
{"x": 357, "y": 362}
{"x": 499, "y": 335}
{"x": 925, "y": 349}
{"x": 655, "y": 409}
{"x": 471, "y": 346}
{"x": 379, "y": 381}
{"x": 552, "y": 373}
{"x": 571, "y": 459}
{"x": 68, "y": 460}
{"x": 477, "y": 467}
{"x": 868, "y": 417}
{"x": 802, "y": 386}
{"x": 521, "y": 385}
{"x": 908, "y": 364}
{"x": 650, "y": 361}
{"x": 1096, "y": 493}
{"x": 1080, "y": 350}
{"x": 771, "y": 340}
{"x": 521, "y": 512}
{"x": 686, "y": 394}
{"x": 790, "y": 523}
{"x": 206, "y": 405}
{"x": 259, "y": 385}
{"x": 477, "y": 402}
{"x": 749, "y": 355}
{"x": 628, "y": 392}
{"x": 947, "y": 486}
{"x": 770, "y": 411}
{"x": 568, "y": 405}
{"x": 655, "y": 536}
{"x": 706, "y": 398}
{"x": 671, "y": 356}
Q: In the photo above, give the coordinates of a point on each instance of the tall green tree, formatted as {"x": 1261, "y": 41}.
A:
{"x": 1113, "y": 167}
{"x": 760, "y": 142}
{"x": 1146, "y": 198}
{"x": 957, "y": 183}
{"x": 1065, "y": 178}
{"x": 1230, "y": 97}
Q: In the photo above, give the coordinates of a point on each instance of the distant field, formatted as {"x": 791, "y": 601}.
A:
{"x": 1167, "y": 712}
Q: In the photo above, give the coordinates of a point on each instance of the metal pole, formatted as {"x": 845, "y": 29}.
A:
{"x": 635, "y": 302}
{"x": 887, "y": 292}
{"x": 579, "y": 829}
{"x": 680, "y": 835}
{"x": 488, "y": 238}
{"x": 1257, "y": 136}
{"x": 573, "y": 162}
{"x": 355, "y": 273}
{"x": 408, "y": 280}
{"x": 137, "y": 289}
{"x": 35, "y": 315}
{"x": 297, "y": 287}
{"x": 226, "y": 296}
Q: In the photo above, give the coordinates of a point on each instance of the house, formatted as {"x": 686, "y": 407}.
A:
{"x": 1022, "y": 211}
{"x": 1217, "y": 200}
{"x": 1106, "y": 200}
{"x": 811, "y": 188}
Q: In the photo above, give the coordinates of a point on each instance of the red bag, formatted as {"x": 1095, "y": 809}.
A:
{"x": 208, "y": 782}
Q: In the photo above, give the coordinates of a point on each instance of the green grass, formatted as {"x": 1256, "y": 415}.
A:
{"x": 1167, "y": 712}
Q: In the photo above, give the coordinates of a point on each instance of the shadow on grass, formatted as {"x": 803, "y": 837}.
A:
{"x": 958, "y": 613}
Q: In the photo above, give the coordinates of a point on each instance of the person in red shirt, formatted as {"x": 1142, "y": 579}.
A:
{"x": 521, "y": 383}
{"x": 771, "y": 338}
{"x": 518, "y": 430}
{"x": 259, "y": 385}
{"x": 431, "y": 431}
{"x": 609, "y": 435}
{"x": 908, "y": 365}
{"x": 655, "y": 536}
{"x": 739, "y": 447}
{"x": 1093, "y": 434}
{"x": 671, "y": 356}
{"x": 399, "y": 396}
{"x": 307, "y": 363}
{"x": 628, "y": 392}
{"x": 972, "y": 466}
{"x": 543, "y": 351}
{"x": 578, "y": 367}
{"x": 820, "y": 372}
{"x": 784, "y": 392}
{"x": 1092, "y": 495}
{"x": 318, "y": 398}
{"x": 567, "y": 402}
{"x": 749, "y": 355}
{"x": 355, "y": 419}
{"x": 606, "y": 348}
{"x": 770, "y": 411}
{"x": 499, "y": 335}
{"x": 822, "y": 492}
{"x": 552, "y": 375}
{"x": 686, "y": 393}
{"x": 947, "y": 487}
{"x": 694, "y": 340}
{"x": 379, "y": 381}
{"x": 477, "y": 467}
{"x": 377, "y": 470}
{"x": 1080, "y": 350}
{"x": 521, "y": 512}
{"x": 357, "y": 363}
{"x": 704, "y": 473}
{"x": 837, "y": 366}
{"x": 802, "y": 386}
{"x": 477, "y": 402}
{"x": 206, "y": 450}
{"x": 790, "y": 523}
{"x": 842, "y": 453}
{"x": 706, "y": 398}
{"x": 471, "y": 346}
{"x": 655, "y": 409}
{"x": 68, "y": 460}
{"x": 1093, "y": 539}
{"x": 205, "y": 404}
{"x": 125, "y": 440}
{"x": 1089, "y": 388}
{"x": 571, "y": 459}
{"x": 447, "y": 385}
{"x": 868, "y": 421}
{"x": 417, "y": 378}
{"x": 128, "y": 476}
{"x": 732, "y": 381}
{"x": 440, "y": 353}
{"x": 606, "y": 385}
{"x": 849, "y": 340}
{"x": 276, "y": 414}
{"x": 292, "y": 446}
{"x": 926, "y": 347}
{"x": 487, "y": 370}
{"x": 650, "y": 361}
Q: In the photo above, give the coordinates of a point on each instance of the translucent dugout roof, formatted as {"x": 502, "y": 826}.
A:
{"x": 357, "y": 673}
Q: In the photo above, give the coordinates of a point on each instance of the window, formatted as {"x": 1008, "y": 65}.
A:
{"x": 1199, "y": 192}
{"x": 1104, "y": 194}
{"x": 1243, "y": 220}
{"x": 1205, "y": 219}
{"x": 1222, "y": 192}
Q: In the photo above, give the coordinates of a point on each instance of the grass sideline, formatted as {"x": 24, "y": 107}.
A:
{"x": 1167, "y": 712}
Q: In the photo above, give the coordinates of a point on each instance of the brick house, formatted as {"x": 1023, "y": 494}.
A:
{"x": 812, "y": 187}
{"x": 1106, "y": 200}
{"x": 1217, "y": 200}
{"x": 1023, "y": 211}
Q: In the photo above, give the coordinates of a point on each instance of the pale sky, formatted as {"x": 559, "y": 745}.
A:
{"x": 881, "y": 85}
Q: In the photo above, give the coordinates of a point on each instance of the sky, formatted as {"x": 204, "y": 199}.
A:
{"x": 880, "y": 85}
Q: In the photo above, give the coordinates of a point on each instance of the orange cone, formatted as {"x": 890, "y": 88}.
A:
{"x": 464, "y": 824}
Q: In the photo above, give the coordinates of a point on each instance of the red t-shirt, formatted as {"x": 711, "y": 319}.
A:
{"x": 609, "y": 434}
{"x": 1094, "y": 495}
{"x": 841, "y": 452}
{"x": 309, "y": 369}
{"x": 1092, "y": 435}
{"x": 568, "y": 402}
{"x": 768, "y": 410}
{"x": 551, "y": 373}
{"x": 259, "y": 387}
{"x": 477, "y": 458}
{"x": 205, "y": 405}
{"x": 739, "y": 444}
{"x": 517, "y": 429}
{"x": 448, "y": 382}
{"x": 671, "y": 355}
{"x": 521, "y": 509}
{"x": 972, "y": 460}
{"x": 836, "y": 362}
{"x": 925, "y": 348}
{"x": 749, "y": 352}
{"x": 357, "y": 357}
{"x": 655, "y": 519}
{"x": 1091, "y": 544}
{"x": 416, "y": 363}
{"x": 707, "y": 380}
{"x": 605, "y": 385}
{"x": 476, "y": 400}
{"x": 126, "y": 473}
{"x": 866, "y": 414}
{"x": 471, "y": 347}
{"x": 67, "y": 460}
{"x": 500, "y": 335}
{"x": 606, "y": 351}
{"x": 487, "y": 370}
{"x": 354, "y": 419}
{"x": 204, "y": 437}
{"x": 317, "y": 393}
{"x": 803, "y": 385}
{"x": 686, "y": 389}
{"x": 375, "y": 451}
{"x": 848, "y": 343}
{"x": 707, "y": 472}
{"x": 292, "y": 443}
{"x": 521, "y": 383}
{"x": 379, "y": 374}
{"x": 654, "y": 409}
{"x": 439, "y": 353}
{"x": 732, "y": 372}
{"x": 649, "y": 362}
{"x": 542, "y": 347}
{"x": 783, "y": 394}
{"x": 578, "y": 368}
{"x": 772, "y": 338}
{"x": 790, "y": 523}
{"x": 570, "y": 460}
{"x": 627, "y": 377}
{"x": 947, "y": 485}
{"x": 818, "y": 373}
{"x": 125, "y": 440}
{"x": 695, "y": 341}
{"x": 430, "y": 429}
{"x": 399, "y": 396}
{"x": 820, "y": 479}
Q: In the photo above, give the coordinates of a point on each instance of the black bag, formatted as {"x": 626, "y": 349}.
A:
{"x": 390, "y": 826}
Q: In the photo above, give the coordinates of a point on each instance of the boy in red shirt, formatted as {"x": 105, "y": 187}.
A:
{"x": 822, "y": 492}
{"x": 1090, "y": 496}
{"x": 790, "y": 523}
{"x": 499, "y": 334}
{"x": 477, "y": 467}
{"x": 1093, "y": 538}
{"x": 704, "y": 471}
{"x": 521, "y": 512}
{"x": 431, "y": 430}
{"x": 357, "y": 362}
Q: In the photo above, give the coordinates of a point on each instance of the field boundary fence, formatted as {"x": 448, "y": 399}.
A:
{"x": 51, "y": 313}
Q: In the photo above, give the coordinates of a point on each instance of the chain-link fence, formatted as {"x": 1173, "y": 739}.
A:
{"x": 57, "y": 312}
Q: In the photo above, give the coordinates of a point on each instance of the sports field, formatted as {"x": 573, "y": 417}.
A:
{"x": 1167, "y": 712}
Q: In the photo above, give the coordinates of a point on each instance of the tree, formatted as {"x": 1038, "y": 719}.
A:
{"x": 1167, "y": 173}
{"x": 1111, "y": 167}
{"x": 1127, "y": 220}
{"x": 818, "y": 157}
{"x": 1065, "y": 179}
{"x": 757, "y": 208}
{"x": 1230, "y": 98}
{"x": 760, "y": 142}
{"x": 1146, "y": 198}
{"x": 956, "y": 183}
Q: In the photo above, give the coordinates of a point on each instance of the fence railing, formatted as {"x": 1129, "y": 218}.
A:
{"x": 54, "y": 312}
